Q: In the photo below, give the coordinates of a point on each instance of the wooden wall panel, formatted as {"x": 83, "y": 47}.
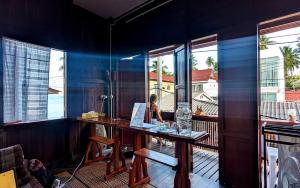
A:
{"x": 45, "y": 140}
{"x": 85, "y": 37}
{"x": 131, "y": 85}
{"x": 130, "y": 89}
{"x": 238, "y": 104}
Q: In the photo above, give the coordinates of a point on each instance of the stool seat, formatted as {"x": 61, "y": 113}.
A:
{"x": 102, "y": 140}
{"x": 94, "y": 145}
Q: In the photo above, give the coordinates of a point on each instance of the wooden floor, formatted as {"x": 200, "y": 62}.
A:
{"x": 205, "y": 174}
{"x": 206, "y": 163}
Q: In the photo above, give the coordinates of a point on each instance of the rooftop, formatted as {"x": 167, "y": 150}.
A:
{"x": 197, "y": 76}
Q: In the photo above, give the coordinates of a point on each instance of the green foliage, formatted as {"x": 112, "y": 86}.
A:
{"x": 290, "y": 81}
{"x": 291, "y": 59}
{"x": 216, "y": 67}
{"x": 210, "y": 62}
{"x": 153, "y": 68}
{"x": 194, "y": 63}
{"x": 264, "y": 41}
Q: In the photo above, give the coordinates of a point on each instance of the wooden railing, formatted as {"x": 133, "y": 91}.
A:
{"x": 202, "y": 123}
{"x": 210, "y": 125}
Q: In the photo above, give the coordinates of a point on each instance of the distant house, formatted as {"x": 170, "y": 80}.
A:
{"x": 167, "y": 83}
{"x": 292, "y": 96}
{"x": 278, "y": 110}
{"x": 208, "y": 106}
{"x": 205, "y": 81}
{"x": 271, "y": 78}
{"x": 202, "y": 81}
{"x": 53, "y": 91}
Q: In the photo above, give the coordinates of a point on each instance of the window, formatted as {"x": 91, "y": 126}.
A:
{"x": 270, "y": 97}
{"x": 32, "y": 76}
{"x": 56, "y": 103}
{"x": 161, "y": 78}
{"x": 279, "y": 42}
{"x": 205, "y": 75}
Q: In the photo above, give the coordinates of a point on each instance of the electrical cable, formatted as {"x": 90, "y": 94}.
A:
{"x": 63, "y": 184}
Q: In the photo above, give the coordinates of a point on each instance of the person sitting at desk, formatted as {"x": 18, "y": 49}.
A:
{"x": 155, "y": 112}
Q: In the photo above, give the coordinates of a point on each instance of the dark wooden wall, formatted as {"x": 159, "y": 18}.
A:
{"x": 235, "y": 22}
{"x": 85, "y": 37}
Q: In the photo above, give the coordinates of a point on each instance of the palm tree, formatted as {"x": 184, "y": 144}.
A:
{"x": 153, "y": 67}
{"x": 264, "y": 41}
{"x": 194, "y": 63}
{"x": 216, "y": 67}
{"x": 291, "y": 59}
{"x": 210, "y": 62}
{"x": 298, "y": 44}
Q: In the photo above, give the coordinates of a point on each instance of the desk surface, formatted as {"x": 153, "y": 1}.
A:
{"x": 125, "y": 125}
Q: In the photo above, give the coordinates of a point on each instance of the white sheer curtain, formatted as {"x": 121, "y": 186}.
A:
{"x": 25, "y": 81}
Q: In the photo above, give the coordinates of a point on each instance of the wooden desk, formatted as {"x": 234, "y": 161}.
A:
{"x": 116, "y": 137}
{"x": 183, "y": 152}
{"x": 183, "y": 145}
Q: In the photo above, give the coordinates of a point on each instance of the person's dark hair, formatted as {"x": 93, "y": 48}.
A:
{"x": 153, "y": 98}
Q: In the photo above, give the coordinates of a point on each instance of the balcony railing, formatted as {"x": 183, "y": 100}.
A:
{"x": 210, "y": 125}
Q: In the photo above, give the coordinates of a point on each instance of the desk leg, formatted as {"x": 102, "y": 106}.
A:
{"x": 92, "y": 134}
{"x": 138, "y": 173}
{"x": 116, "y": 155}
{"x": 182, "y": 179}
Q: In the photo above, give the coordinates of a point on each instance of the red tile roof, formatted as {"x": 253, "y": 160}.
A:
{"x": 197, "y": 75}
{"x": 203, "y": 75}
{"x": 165, "y": 78}
{"x": 292, "y": 96}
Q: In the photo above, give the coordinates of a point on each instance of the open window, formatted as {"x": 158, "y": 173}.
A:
{"x": 205, "y": 76}
{"x": 161, "y": 77}
{"x": 279, "y": 70}
{"x": 279, "y": 51}
{"x": 33, "y": 82}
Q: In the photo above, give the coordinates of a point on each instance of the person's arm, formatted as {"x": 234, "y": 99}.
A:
{"x": 159, "y": 118}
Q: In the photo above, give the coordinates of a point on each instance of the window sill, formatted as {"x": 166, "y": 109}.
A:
{"x": 24, "y": 123}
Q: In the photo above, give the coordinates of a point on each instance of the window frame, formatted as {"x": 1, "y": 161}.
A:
{"x": 18, "y": 122}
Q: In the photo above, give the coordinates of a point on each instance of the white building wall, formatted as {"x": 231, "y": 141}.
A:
{"x": 280, "y": 89}
{"x": 211, "y": 88}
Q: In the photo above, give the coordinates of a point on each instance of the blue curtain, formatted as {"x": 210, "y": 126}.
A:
{"x": 25, "y": 81}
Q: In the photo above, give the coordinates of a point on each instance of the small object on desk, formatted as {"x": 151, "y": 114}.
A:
{"x": 138, "y": 114}
{"x": 89, "y": 115}
{"x": 145, "y": 126}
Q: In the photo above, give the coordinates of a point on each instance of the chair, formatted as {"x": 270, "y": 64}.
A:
{"x": 13, "y": 158}
{"x": 272, "y": 158}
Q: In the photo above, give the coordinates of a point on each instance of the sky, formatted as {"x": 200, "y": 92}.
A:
{"x": 284, "y": 37}
{"x": 56, "y": 76}
{"x": 201, "y": 54}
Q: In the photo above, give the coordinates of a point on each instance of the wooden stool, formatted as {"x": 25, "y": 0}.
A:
{"x": 139, "y": 162}
{"x": 94, "y": 145}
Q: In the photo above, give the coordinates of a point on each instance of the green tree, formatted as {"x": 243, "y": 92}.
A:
{"x": 216, "y": 67}
{"x": 194, "y": 63}
{"x": 291, "y": 82}
{"x": 153, "y": 67}
{"x": 264, "y": 41}
{"x": 291, "y": 59}
{"x": 210, "y": 62}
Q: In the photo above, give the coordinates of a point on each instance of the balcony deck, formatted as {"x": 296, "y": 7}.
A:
{"x": 206, "y": 163}
{"x": 206, "y": 172}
